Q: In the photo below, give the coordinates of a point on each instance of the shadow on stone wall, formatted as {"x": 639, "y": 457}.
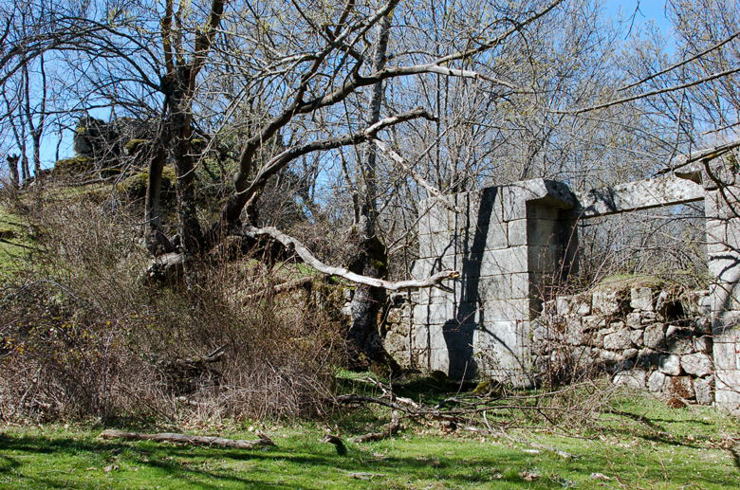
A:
{"x": 458, "y": 331}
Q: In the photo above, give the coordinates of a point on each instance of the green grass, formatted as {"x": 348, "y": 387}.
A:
{"x": 14, "y": 247}
{"x": 640, "y": 444}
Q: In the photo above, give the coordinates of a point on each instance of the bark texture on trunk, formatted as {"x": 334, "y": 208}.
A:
{"x": 365, "y": 342}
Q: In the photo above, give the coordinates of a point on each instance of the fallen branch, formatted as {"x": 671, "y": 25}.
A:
{"x": 389, "y": 430}
{"x": 307, "y": 257}
{"x": 263, "y": 441}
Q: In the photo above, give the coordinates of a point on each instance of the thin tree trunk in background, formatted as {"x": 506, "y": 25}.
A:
{"x": 13, "y": 169}
{"x": 364, "y": 338}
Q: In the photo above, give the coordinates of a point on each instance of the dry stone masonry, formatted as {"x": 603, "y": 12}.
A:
{"x": 647, "y": 337}
{"x": 509, "y": 241}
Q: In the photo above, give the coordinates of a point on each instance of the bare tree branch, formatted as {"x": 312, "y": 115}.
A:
{"x": 307, "y": 257}
{"x": 709, "y": 78}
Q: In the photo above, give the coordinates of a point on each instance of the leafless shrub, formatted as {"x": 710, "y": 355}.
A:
{"x": 84, "y": 335}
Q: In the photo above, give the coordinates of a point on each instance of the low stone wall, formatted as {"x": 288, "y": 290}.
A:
{"x": 646, "y": 337}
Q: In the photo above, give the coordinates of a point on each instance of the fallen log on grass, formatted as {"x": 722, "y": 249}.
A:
{"x": 263, "y": 441}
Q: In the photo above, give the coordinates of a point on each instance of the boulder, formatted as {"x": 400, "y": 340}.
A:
{"x": 593, "y": 322}
{"x": 641, "y": 299}
{"x": 634, "y": 378}
{"x": 656, "y": 382}
{"x": 563, "y": 305}
{"x": 704, "y": 390}
{"x": 654, "y": 335}
{"x": 633, "y": 320}
{"x": 697, "y": 364}
{"x": 679, "y": 340}
{"x": 618, "y": 340}
{"x": 703, "y": 344}
{"x": 606, "y": 302}
{"x": 670, "y": 364}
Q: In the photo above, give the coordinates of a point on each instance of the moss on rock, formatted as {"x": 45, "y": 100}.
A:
{"x": 135, "y": 186}
{"x": 73, "y": 167}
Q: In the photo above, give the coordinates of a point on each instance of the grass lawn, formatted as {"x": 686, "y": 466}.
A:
{"x": 640, "y": 443}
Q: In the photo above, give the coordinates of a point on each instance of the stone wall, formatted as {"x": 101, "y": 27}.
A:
{"x": 658, "y": 338}
{"x": 503, "y": 241}
{"x": 509, "y": 242}
{"x": 723, "y": 247}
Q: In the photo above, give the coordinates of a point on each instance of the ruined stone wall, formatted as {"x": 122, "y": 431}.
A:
{"x": 511, "y": 242}
{"x": 723, "y": 247}
{"x": 503, "y": 241}
{"x": 646, "y": 337}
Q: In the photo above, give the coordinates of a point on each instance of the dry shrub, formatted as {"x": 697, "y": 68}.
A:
{"x": 83, "y": 335}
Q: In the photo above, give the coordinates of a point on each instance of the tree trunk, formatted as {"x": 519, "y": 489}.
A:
{"x": 156, "y": 241}
{"x": 13, "y": 169}
{"x": 191, "y": 235}
{"x": 366, "y": 345}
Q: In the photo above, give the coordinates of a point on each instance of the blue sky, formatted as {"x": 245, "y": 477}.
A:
{"x": 647, "y": 11}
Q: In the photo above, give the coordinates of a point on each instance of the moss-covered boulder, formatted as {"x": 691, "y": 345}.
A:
{"x": 136, "y": 145}
{"x": 134, "y": 187}
{"x": 73, "y": 168}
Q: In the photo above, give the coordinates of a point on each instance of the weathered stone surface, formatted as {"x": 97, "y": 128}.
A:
{"x": 648, "y": 358}
{"x": 643, "y": 194}
{"x": 704, "y": 390}
{"x": 656, "y": 382}
{"x": 633, "y": 320}
{"x": 630, "y": 353}
{"x": 606, "y": 302}
{"x": 697, "y": 364}
{"x": 593, "y": 322}
{"x": 648, "y": 317}
{"x": 615, "y": 357}
{"x": 574, "y": 332}
{"x": 582, "y": 306}
{"x": 726, "y": 389}
{"x": 563, "y": 305}
{"x": 654, "y": 335}
{"x": 543, "y": 333}
{"x": 517, "y": 232}
{"x": 679, "y": 340}
{"x": 703, "y": 344}
{"x": 506, "y": 258}
{"x": 618, "y": 341}
{"x": 641, "y": 299}
{"x": 634, "y": 378}
{"x": 670, "y": 364}
{"x": 726, "y": 355}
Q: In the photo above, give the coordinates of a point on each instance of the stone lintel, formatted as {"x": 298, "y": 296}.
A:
{"x": 642, "y": 194}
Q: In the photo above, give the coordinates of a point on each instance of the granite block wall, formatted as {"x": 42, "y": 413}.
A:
{"x": 503, "y": 240}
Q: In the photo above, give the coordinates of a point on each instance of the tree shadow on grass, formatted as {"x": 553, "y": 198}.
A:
{"x": 182, "y": 463}
{"x": 293, "y": 464}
